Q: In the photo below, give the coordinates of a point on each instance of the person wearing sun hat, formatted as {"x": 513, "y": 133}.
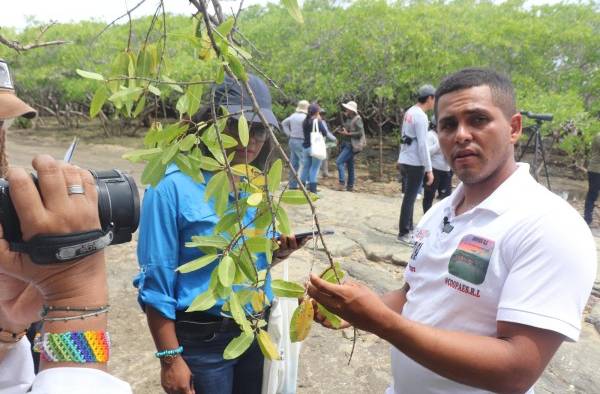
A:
{"x": 11, "y": 107}
{"x": 353, "y": 129}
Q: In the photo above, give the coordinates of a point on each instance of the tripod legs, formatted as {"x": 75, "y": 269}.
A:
{"x": 539, "y": 150}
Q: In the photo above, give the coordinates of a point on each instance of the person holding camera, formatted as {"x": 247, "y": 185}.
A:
{"x": 501, "y": 270}
{"x": 190, "y": 345}
{"x": 414, "y": 160}
{"x": 69, "y": 297}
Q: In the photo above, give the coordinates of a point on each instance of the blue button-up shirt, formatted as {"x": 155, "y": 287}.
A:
{"x": 172, "y": 213}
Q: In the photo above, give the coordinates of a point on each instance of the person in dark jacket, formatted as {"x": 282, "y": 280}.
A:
{"x": 311, "y": 165}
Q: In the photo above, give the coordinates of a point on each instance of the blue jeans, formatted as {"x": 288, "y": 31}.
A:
{"x": 296, "y": 149}
{"x": 346, "y": 158}
{"x": 310, "y": 167}
{"x": 203, "y": 346}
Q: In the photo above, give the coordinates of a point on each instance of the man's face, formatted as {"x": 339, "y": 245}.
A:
{"x": 475, "y": 136}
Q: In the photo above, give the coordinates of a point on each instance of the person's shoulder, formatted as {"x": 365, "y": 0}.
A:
{"x": 176, "y": 180}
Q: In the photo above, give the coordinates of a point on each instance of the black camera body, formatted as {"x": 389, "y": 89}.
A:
{"x": 406, "y": 140}
{"x": 118, "y": 206}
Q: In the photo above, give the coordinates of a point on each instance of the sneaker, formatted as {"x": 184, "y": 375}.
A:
{"x": 406, "y": 239}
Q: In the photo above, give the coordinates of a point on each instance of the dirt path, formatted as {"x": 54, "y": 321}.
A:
{"x": 365, "y": 224}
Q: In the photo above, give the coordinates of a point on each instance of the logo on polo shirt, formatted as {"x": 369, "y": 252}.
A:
{"x": 471, "y": 259}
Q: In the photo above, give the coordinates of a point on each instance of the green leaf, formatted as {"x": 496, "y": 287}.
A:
{"x": 267, "y": 346}
{"x": 153, "y": 172}
{"x": 214, "y": 241}
{"x": 263, "y": 217}
{"x": 154, "y": 90}
{"x": 209, "y": 164}
{"x": 254, "y": 199}
{"x": 188, "y": 142}
{"x": 144, "y": 63}
{"x": 220, "y": 78}
{"x": 282, "y": 288}
{"x": 182, "y": 104}
{"x": 293, "y": 9}
{"x": 98, "y": 100}
{"x": 139, "y": 107}
{"x": 170, "y": 153}
{"x": 194, "y": 94}
{"x": 171, "y": 84}
{"x": 246, "y": 265}
{"x": 225, "y": 28}
{"x": 196, "y": 264}
{"x": 226, "y": 223}
{"x": 283, "y": 221}
{"x": 258, "y": 244}
{"x": 236, "y": 67}
{"x": 332, "y": 318}
{"x": 226, "y": 271}
{"x": 126, "y": 94}
{"x": 141, "y": 154}
{"x": 243, "y": 131}
{"x": 90, "y": 75}
{"x": 330, "y": 276}
{"x": 301, "y": 321}
{"x": 238, "y": 346}
{"x": 296, "y": 197}
{"x": 215, "y": 184}
{"x": 238, "y": 314}
{"x": 203, "y": 302}
{"x": 274, "y": 176}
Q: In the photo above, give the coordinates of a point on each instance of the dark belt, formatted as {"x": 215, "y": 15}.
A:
{"x": 205, "y": 318}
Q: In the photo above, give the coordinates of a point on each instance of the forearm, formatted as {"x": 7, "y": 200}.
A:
{"x": 485, "y": 362}
{"x": 162, "y": 330}
{"x": 91, "y": 294}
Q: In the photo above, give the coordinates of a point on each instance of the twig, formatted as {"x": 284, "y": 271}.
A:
{"x": 118, "y": 19}
{"x": 17, "y": 46}
{"x": 160, "y": 81}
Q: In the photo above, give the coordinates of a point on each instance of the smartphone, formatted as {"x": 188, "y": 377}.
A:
{"x": 309, "y": 234}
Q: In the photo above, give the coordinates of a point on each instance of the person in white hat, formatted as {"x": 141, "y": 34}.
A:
{"x": 10, "y": 107}
{"x": 292, "y": 127}
{"x": 353, "y": 130}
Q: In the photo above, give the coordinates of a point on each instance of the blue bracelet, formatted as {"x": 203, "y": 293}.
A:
{"x": 171, "y": 352}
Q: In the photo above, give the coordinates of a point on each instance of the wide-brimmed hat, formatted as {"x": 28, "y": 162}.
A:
{"x": 302, "y": 106}
{"x": 351, "y": 105}
{"x": 10, "y": 105}
{"x": 234, "y": 96}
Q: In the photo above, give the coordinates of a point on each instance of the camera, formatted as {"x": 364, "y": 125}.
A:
{"x": 118, "y": 206}
{"x": 406, "y": 140}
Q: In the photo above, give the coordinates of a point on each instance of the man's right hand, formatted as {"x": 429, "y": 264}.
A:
{"x": 176, "y": 377}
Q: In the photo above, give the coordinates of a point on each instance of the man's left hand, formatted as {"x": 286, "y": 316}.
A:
{"x": 352, "y": 301}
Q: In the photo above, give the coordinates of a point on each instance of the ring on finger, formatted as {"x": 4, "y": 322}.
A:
{"x": 75, "y": 189}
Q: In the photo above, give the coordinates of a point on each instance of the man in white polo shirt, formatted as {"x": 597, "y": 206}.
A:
{"x": 501, "y": 270}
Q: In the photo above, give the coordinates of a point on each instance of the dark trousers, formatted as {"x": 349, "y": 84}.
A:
{"x": 203, "y": 346}
{"x": 442, "y": 184}
{"x": 592, "y": 195}
{"x": 413, "y": 178}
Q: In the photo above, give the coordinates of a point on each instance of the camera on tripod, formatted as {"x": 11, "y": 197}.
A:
{"x": 118, "y": 208}
{"x": 538, "y": 117}
{"x": 535, "y": 137}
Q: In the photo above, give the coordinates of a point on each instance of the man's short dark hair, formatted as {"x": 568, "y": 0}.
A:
{"x": 503, "y": 94}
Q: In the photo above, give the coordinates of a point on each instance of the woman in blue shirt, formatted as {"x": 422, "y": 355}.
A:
{"x": 173, "y": 212}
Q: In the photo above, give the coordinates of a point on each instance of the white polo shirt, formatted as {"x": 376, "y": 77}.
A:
{"x": 523, "y": 255}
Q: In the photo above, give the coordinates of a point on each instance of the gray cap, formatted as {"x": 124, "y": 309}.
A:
{"x": 426, "y": 91}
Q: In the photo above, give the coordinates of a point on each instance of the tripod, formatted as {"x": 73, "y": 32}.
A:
{"x": 536, "y": 137}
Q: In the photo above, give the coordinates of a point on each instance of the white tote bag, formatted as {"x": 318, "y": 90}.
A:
{"x": 318, "y": 150}
{"x": 280, "y": 377}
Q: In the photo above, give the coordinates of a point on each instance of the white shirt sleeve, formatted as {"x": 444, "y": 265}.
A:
{"x": 551, "y": 275}
{"x": 16, "y": 369}
{"x": 432, "y": 143}
{"x": 421, "y": 127}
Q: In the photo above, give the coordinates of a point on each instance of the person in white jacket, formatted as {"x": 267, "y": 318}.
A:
{"x": 442, "y": 174}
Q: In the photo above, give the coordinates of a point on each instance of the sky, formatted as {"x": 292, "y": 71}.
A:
{"x": 18, "y": 12}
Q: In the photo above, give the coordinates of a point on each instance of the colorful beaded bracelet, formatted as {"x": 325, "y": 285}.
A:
{"x": 78, "y": 347}
{"x": 170, "y": 352}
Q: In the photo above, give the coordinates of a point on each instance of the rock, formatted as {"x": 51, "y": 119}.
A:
{"x": 380, "y": 281}
{"x": 339, "y": 245}
{"x": 594, "y": 316}
{"x": 380, "y": 247}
